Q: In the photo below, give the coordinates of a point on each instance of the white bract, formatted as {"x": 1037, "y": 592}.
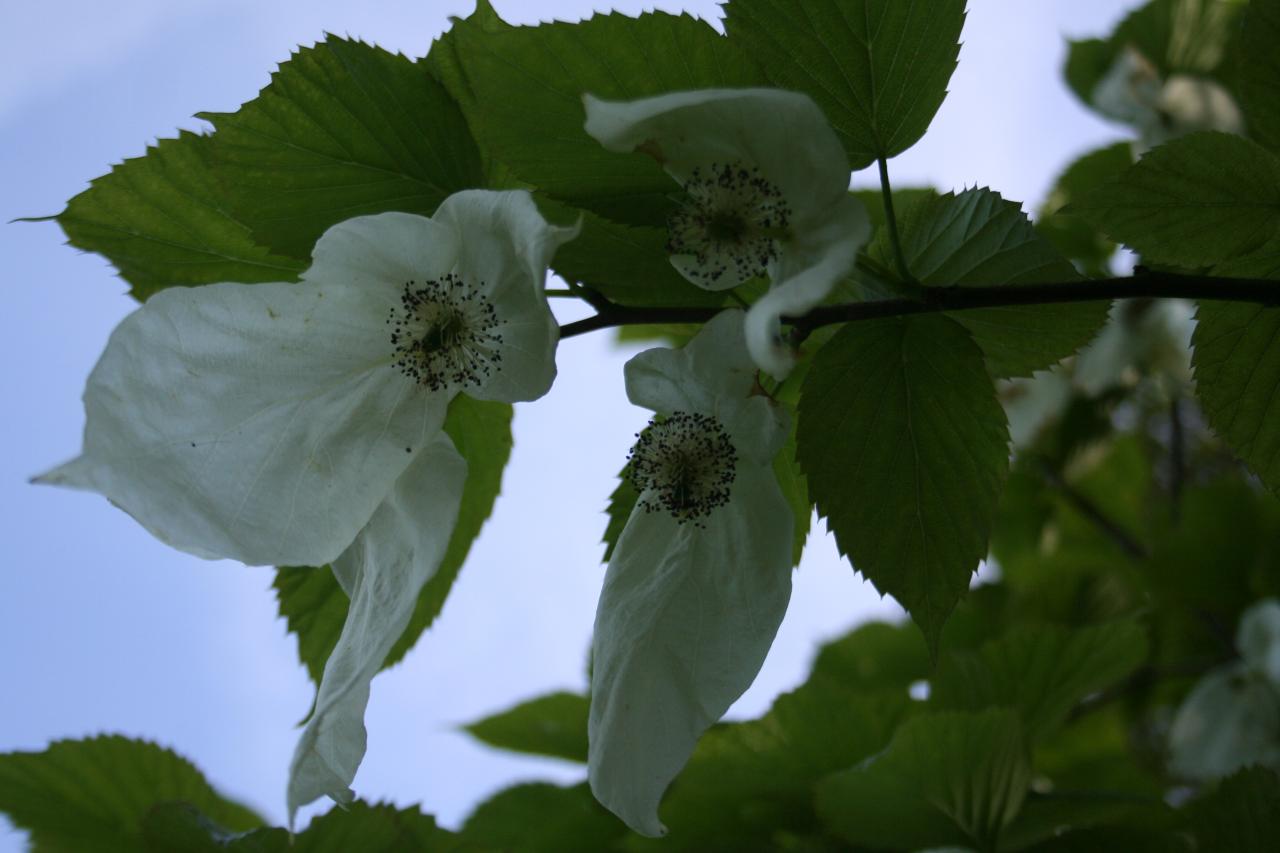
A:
{"x": 766, "y": 188}
{"x": 699, "y": 579}
{"x": 302, "y": 423}
{"x": 1231, "y": 719}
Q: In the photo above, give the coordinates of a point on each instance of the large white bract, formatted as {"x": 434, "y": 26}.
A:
{"x": 766, "y": 189}
{"x": 701, "y": 575}
{"x": 302, "y": 423}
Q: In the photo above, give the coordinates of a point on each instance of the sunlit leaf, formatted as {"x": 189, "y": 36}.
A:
{"x": 905, "y": 449}
{"x": 878, "y": 68}
{"x": 344, "y": 129}
{"x": 161, "y": 220}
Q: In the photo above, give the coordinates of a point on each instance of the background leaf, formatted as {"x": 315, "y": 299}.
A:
{"x": 750, "y": 785}
{"x": 1241, "y": 816}
{"x": 1260, "y": 71}
{"x": 344, "y": 129}
{"x": 95, "y": 794}
{"x": 976, "y": 237}
{"x": 1191, "y": 202}
{"x": 539, "y": 74}
{"x": 945, "y": 779}
{"x": 1042, "y": 671}
{"x": 315, "y": 606}
{"x": 906, "y": 449}
{"x": 878, "y": 68}
{"x": 542, "y": 818}
{"x": 553, "y": 725}
{"x": 160, "y": 220}
{"x": 1074, "y": 238}
{"x": 379, "y": 828}
{"x": 875, "y": 656}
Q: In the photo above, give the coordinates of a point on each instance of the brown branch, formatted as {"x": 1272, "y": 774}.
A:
{"x": 1148, "y": 284}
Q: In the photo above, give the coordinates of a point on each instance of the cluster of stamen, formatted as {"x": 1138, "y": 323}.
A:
{"x": 731, "y": 217}
{"x": 683, "y": 464}
{"x": 443, "y": 334}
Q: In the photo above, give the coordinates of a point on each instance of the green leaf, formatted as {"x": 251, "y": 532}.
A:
{"x": 978, "y": 238}
{"x": 1260, "y": 71}
{"x": 344, "y": 129}
{"x": 1241, "y": 816}
{"x": 1192, "y": 202}
{"x": 748, "y": 780}
{"x": 1042, "y": 671}
{"x": 539, "y": 74}
{"x": 368, "y": 828}
{"x": 378, "y": 828}
{"x": 628, "y": 264}
{"x": 95, "y": 794}
{"x": 1116, "y": 839}
{"x": 1106, "y": 822}
{"x": 1088, "y": 61}
{"x": 543, "y": 818}
{"x": 1237, "y": 366}
{"x": 315, "y": 606}
{"x": 878, "y": 68}
{"x": 174, "y": 826}
{"x": 795, "y": 488}
{"x": 876, "y": 655}
{"x": 161, "y": 220}
{"x": 1228, "y": 524}
{"x": 945, "y": 779}
{"x": 621, "y": 502}
{"x": 554, "y": 725}
{"x": 448, "y": 66}
{"x": 481, "y": 431}
{"x": 1070, "y": 235}
{"x": 906, "y": 449}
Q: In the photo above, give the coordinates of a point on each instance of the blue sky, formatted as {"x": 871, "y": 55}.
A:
{"x": 104, "y": 629}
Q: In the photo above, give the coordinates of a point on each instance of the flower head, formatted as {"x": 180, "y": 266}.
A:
{"x": 701, "y": 574}
{"x": 301, "y": 423}
{"x": 765, "y": 193}
{"x": 1133, "y": 92}
{"x": 1231, "y": 717}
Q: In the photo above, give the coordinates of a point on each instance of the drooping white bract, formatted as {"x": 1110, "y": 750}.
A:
{"x": 766, "y": 187}
{"x": 699, "y": 579}
{"x": 302, "y": 423}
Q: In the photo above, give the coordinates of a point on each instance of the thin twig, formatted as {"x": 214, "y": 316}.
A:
{"x": 1149, "y": 284}
{"x": 1090, "y": 510}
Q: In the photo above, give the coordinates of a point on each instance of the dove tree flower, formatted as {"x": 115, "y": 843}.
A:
{"x": 1133, "y": 92}
{"x": 1231, "y": 719}
{"x": 302, "y": 423}
{"x": 766, "y": 192}
{"x": 701, "y": 575}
